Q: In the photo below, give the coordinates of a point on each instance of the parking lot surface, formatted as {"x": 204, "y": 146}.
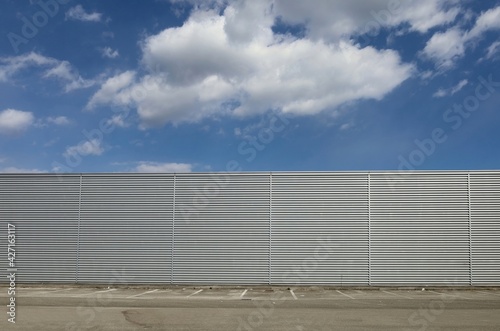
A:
{"x": 250, "y": 308}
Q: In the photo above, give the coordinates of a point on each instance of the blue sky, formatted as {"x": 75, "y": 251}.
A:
{"x": 261, "y": 85}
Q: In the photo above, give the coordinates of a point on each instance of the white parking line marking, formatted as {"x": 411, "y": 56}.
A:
{"x": 450, "y": 295}
{"x": 398, "y": 295}
{"x": 293, "y": 294}
{"x": 194, "y": 293}
{"x": 50, "y": 292}
{"x": 243, "y": 294}
{"x": 489, "y": 293}
{"x": 138, "y": 295}
{"x": 347, "y": 295}
{"x": 104, "y": 291}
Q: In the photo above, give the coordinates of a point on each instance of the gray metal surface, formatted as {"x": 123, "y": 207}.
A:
{"x": 320, "y": 229}
{"x": 419, "y": 229}
{"x": 332, "y": 228}
{"x": 221, "y": 229}
{"x": 44, "y": 209}
{"x": 125, "y": 229}
{"x": 485, "y": 217}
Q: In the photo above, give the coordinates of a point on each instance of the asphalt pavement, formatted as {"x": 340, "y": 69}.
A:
{"x": 250, "y": 308}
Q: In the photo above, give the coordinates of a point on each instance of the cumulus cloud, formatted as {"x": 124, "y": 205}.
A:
{"x": 489, "y": 20}
{"x": 156, "y": 167}
{"x": 77, "y": 13}
{"x": 59, "y": 120}
{"x": 109, "y": 53}
{"x": 210, "y": 67}
{"x": 9, "y": 66}
{"x": 335, "y": 19}
{"x": 111, "y": 90}
{"x": 13, "y": 122}
{"x": 89, "y": 147}
{"x": 445, "y": 92}
{"x": 51, "y": 69}
{"x": 493, "y": 50}
{"x": 117, "y": 121}
{"x": 445, "y": 48}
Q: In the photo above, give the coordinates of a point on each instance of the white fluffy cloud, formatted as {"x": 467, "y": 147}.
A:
{"x": 445, "y": 48}
{"x": 156, "y": 167}
{"x": 79, "y": 14}
{"x": 118, "y": 121}
{"x": 13, "y": 122}
{"x": 9, "y": 66}
{"x": 334, "y": 19}
{"x": 493, "y": 50}
{"x": 489, "y": 20}
{"x": 111, "y": 89}
{"x": 51, "y": 68}
{"x": 209, "y": 67}
{"x": 59, "y": 120}
{"x": 89, "y": 147}
{"x": 109, "y": 53}
{"x": 444, "y": 92}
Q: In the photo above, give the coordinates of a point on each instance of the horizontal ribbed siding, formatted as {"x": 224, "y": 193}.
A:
{"x": 485, "y": 211}
{"x": 126, "y": 229}
{"x": 221, "y": 229}
{"x": 44, "y": 209}
{"x": 379, "y": 228}
{"x": 419, "y": 229}
{"x": 320, "y": 229}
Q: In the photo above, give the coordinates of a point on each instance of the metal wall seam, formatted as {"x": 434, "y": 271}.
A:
{"x": 270, "y": 224}
{"x": 470, "y": 230}
{"x": 369, "y": 231}
{"x": 78, "y": 231}
{"x": 173, "y": 236}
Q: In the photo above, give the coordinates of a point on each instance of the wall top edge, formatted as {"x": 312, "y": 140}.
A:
{"x": 356, "y": 172}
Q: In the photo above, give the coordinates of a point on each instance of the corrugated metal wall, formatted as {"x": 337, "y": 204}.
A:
{"x": 420, "y": 229}
{"x": 46, "y": 207}
{"x": 332, "y": 228}
{"x": 319, "y": 229}
{"x": 485, "y": 229}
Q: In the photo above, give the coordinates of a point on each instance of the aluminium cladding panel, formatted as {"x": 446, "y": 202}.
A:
{"x": 420, "y": 228}
{"x": 221, "y": 229}
{"x": 320, "y": 228}
{"x": 44, "y": 209}
{"x": 126, "y": 228}
{"x": 485, "y": 215}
